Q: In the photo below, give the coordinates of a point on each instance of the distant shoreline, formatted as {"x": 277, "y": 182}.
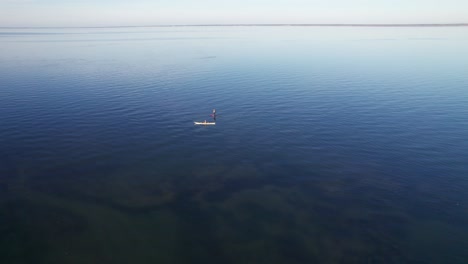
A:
{"x": 263, "y": 25}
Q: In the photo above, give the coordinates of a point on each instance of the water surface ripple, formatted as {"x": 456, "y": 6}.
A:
{"x": 329, "y": 147}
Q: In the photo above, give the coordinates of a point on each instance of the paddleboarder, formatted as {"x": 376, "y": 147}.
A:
{"x": 214, "y": 114}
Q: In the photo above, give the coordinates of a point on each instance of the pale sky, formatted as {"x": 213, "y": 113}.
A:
{"x": 58, "y": 13}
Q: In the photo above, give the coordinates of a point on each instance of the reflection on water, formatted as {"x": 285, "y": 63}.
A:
{"x": 329, "y": 147}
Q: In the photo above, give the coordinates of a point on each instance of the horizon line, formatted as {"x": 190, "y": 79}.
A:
{"x": 260, "y": 25}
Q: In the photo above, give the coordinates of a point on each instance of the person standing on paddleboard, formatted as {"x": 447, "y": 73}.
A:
{"x": 214, "y": 114}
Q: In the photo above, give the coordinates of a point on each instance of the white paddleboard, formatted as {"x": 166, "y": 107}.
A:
{"x": 206, "y": 124}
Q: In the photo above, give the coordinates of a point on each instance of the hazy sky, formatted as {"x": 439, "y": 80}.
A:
{"x": 146, "y": 12}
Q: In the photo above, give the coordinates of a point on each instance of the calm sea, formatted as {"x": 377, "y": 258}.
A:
{"x": 331, "y": 145}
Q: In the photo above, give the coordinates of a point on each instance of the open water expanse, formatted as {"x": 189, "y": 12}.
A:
{"x": 332, "y": 145}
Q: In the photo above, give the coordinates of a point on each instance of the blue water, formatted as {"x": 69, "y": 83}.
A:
{"x": 332, "y": 145}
